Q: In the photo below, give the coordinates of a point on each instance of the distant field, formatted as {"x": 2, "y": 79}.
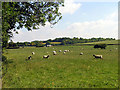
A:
{"x": 106, "y": 42}
{"x": 62, "y": 71}
{"x": 53, "y": 43}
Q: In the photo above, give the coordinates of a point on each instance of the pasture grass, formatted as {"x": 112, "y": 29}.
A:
{"x": 62, "y": 71}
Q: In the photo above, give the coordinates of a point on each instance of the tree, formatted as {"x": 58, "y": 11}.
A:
{"x": 39, "y": 44}
{"x": 12, "y": 45}
{"x": 102, "y": 46}
{"x": 32, "y": 44}
{"x": 16, "y": 15}
{"x": 48, "y": 43}
{"x": 50, "y": 40}
{"x": 26, "y": 43}
{"x": 63, "y": 42}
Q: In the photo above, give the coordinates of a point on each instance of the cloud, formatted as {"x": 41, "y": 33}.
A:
{"x": 44, "y": 33}
{"x": 70, "y": 7}
{"x": 100, "y": 28}
{"x": 113, "y": 16}
{"x": 107, "y": 27}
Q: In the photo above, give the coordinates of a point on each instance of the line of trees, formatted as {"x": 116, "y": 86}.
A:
{"x": 64, "y": 41}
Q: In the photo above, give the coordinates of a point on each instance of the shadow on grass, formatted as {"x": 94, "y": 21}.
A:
{"x": 9, "y": 61}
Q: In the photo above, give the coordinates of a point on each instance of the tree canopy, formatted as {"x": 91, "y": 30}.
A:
{"x": 16, "y": 15}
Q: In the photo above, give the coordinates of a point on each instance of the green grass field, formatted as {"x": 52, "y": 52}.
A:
{"x": 62, "y": 71}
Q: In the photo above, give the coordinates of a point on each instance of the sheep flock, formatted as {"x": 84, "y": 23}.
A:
{"x": 55, "y": 52}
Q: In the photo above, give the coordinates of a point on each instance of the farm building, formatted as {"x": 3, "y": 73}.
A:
{"x": 48, "y": 45}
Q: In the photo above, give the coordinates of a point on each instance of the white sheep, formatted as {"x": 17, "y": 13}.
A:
{"x": 33, "y": 53}
{"x": 60, "y": 50}
{"x": 54, "y": 52}
{"x": 29, "y": 57}
{"x": 68, "y": 50}
{"x": 81, "y": 53}
{"x": 64, "y": 53}
{"x": 65, "y": 50}
{"x": 46, "y": 56}
{"x": 98, "y": 56}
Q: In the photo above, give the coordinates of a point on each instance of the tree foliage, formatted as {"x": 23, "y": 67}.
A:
{"x": 102, "y": 46}
{"x": 48, "y": 43}
{"x": 16, "y": 15}
{"x": 12, "y": 45}
{"x": 63, "y": 41}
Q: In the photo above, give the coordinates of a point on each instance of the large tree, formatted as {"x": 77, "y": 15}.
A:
{"x": 31, "y": 15}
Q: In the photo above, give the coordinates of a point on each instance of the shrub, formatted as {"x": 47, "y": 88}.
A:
{"x": 4, "y": 58}
{"x": 102, "y": 46}
{"x": 12, "y": 46}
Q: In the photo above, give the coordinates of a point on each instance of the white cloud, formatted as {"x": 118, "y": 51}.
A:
{"x": 100, "y": 28}
{"x": 107, "y": 27}
{"x": 113, "y": 16}
{"x": 70, "y": 7}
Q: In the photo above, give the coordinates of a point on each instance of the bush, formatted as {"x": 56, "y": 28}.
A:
{"x": 102, "y": 46}
{"x": 12, "y": 45}
{"x": 4, "y": 58}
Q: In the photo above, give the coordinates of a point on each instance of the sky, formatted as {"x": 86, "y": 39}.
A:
{"x": 79, "y": 19}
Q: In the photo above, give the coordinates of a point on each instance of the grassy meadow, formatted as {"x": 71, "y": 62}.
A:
{"x": 61, "y": 71}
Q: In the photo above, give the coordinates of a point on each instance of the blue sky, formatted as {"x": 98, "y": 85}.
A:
{"x": 90, "y": 11}
{"x": 80, "y": 19}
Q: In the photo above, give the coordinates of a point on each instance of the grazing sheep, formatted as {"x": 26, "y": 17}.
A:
{"x": 60, "y": 50}
{"x": 33, "y": 53}
{"x": 98, "y": 56}
{"x": 81, "y": 53}
{"x": 54, "y": 52}
{"x": 68, "y": 50}
{"x": 46, "y": 56}
{"x": 29, "y": 57}
{"x": 65, "y": 50}
{"x": 64, "y": 53}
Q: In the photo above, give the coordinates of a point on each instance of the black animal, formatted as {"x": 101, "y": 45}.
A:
{"x": 29, "y": 57}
